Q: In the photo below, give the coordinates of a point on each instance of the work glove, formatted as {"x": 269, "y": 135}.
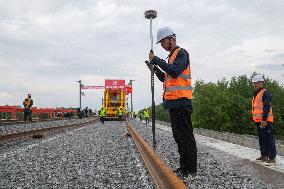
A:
{"x": 263, "y": 124}
{"x": 149, "y": 65}
{"x": 151, "y": 55}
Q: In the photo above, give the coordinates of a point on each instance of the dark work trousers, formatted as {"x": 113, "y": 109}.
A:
{"x": 266, "y": 141}
{"x": 27, "y": 114}
{"x": 102, "y": 118}
{"x": 147, "y": 120}
{"x": 120, "y": 117}
{"x": 184, "y": 137}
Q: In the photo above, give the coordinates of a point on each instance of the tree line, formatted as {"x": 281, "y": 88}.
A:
{"x": 226, "y": 105}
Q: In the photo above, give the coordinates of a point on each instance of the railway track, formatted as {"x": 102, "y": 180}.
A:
{"x": 38, "y": 133}
{"x": 18, "y": 122}
{"x": 163, "y": 176}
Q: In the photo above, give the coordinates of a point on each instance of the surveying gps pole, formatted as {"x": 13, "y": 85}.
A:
{"x": 151, "y": 14}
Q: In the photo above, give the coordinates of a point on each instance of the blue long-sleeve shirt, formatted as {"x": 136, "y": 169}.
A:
{"x": 266, "y": 99}
{"x": 180, "y": 63}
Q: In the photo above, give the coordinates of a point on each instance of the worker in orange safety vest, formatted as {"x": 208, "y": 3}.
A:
{"x": 176, "y": 76}
{"x": 263, "y": 117}
{"x": 28, "y": 103}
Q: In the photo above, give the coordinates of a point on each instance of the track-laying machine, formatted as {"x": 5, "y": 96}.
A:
{"x": 114, "y": 98}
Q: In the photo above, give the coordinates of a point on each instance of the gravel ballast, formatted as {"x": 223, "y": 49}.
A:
{"x": 214, "y": 168}
{"x": 95, "y": 156}
{"x": 14, "y": 128}
{"x": 102, "y": 156}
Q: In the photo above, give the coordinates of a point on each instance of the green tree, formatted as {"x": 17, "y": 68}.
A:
{"x": 226, "y": 105}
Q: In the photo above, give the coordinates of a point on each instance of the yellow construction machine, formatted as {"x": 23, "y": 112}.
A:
{"x": 114, "y": 98}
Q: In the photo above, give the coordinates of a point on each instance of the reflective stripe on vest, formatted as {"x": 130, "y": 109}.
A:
{"x": 260, "y": 115}
{"x": 180, "y": 87}
{"x": 257, "y": 108}
{"x": 187, "y": 76}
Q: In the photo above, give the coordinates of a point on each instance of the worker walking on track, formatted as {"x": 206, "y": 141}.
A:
{"x": 140, "y": 115}
{"x": 102, "y": 114}
{"x": 28, "y": 103}
{"x": 120, "y": 113}
{"x": 146, "y": 115}
{"x": 263, "y": 118}
{"x": 176, "y": 76}
{"x": 86, "y": 111}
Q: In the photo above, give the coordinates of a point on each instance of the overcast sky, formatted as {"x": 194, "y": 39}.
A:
{"x": 47, "y": 45}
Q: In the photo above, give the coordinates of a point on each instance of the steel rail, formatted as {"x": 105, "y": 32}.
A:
{"x": 12, "y": 136}
{"x": 163, "y": 176}
{"x": 18, "y": 122}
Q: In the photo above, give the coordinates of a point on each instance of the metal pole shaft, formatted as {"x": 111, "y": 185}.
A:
{"x": 151, "y": 34}
{"x": 127, "y": 104}
{"x": 80, "y": 93}
{"x": 80, "y": 97}
{"x": 153, "y": 92}
{"x": 131, "y": 101}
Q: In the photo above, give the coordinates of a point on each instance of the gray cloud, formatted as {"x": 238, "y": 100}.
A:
{"x": 45, "y": 46}
{"x": 279, "y": 56}
{"x": 270, "y": 50}
{"x": 270, "y": 67}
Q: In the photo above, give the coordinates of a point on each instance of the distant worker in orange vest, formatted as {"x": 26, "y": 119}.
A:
{"x": 28, "y": 103}
{"x": 263, "y": 118}
{"x": 176, "y": 76}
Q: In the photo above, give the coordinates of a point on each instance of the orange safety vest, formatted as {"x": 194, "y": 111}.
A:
{"x": 27, "y": 102}
{"x": 257, "y": 108}
{"x": 180, "y": 87}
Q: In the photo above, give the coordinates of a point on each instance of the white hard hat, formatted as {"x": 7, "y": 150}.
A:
{"x": 257, "y": 78}
{"x": 163, "y": 33}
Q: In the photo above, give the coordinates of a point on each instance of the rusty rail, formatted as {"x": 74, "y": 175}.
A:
{"x": 12, "y": 136}
{"x": 163, "y": 176}
{"x": 18, "y": 122}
